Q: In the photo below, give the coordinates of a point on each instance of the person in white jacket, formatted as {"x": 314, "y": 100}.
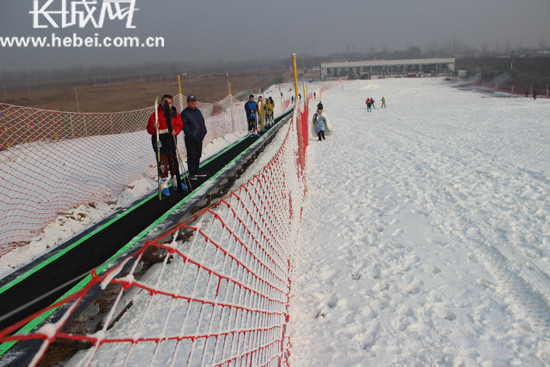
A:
{"x": 320, "y": 122}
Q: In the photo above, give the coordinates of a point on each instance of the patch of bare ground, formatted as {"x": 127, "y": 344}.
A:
{"x": 136, "y": 94}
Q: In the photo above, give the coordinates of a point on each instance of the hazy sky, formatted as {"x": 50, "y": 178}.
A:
{"x": 210, "y": 30}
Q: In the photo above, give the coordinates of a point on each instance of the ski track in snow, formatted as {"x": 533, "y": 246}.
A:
{"x": 426, "y": 235}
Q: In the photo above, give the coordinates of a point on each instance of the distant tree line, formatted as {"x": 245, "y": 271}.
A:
{"x": 35, "y": 80}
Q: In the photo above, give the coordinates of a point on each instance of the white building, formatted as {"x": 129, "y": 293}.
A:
{"x": 368, "y": 68}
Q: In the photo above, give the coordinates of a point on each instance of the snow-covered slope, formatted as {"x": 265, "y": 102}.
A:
{"x": 426, "y": 233}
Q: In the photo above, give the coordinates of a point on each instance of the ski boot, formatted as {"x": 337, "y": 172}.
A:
{"x": 175, "y": 184}
{"x": 164, "y": 186}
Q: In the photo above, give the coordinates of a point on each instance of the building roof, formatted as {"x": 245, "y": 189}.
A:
{"x": 387, "y": 62}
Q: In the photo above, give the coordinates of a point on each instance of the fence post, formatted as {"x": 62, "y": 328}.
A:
{"x": 71, "y": 122}
{"x": 231, "y": 108}
{"x": 77, "y": 105}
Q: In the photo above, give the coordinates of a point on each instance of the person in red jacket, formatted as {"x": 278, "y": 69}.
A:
{"x": 368, "y": 102}
{"x": 166, "y": 154}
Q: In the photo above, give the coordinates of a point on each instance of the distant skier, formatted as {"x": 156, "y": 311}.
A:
{"x": 320, "y": 105}
{"x": 383, "y": 102}
{"x": 526, "y": 93}
{"x": 167, "y": 164}
{"x": 534, "y": 94}
{"x": 251, "y": 109}
{"x": 314, "y": 95}
{"x": 368, "y": 103}
{"x": 269, "y": 108}
{"x": 261, "y": 113}
{"x": 320, "y": 122}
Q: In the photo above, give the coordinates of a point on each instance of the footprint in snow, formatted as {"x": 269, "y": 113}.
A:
{"x": 487, "y": 284}
{"x": 331, "y": 301}
{"x": 398, "y": 232}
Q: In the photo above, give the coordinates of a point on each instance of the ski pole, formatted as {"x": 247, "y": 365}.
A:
{"x": 188, "y": 181}
{"x": 158, "y": 144}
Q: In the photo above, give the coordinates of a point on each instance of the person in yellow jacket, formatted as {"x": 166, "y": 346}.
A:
{"x": 261, "y": 113}
{"x": 269, "y": 108}
{"x": 383, "y": 102}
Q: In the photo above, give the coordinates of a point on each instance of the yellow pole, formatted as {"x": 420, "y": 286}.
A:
{"x": 229, "y": 88}
{"x": 295, "y": 75}
{"x": 181, "y": 96}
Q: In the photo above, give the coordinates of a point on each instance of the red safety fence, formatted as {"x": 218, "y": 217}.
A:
{"x": 506, "y": 89}
{"x": 222, "y": 293}
{"x": 53, "y": 161}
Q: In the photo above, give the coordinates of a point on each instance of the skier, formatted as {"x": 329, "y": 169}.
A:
{"x": 261, "y": 113}
{"x": 270, "y": 107}
{"x": 320, "y": 106}
{"x": 314, "y": 95}
{"x": 368, "y": 103}
{"x": 166, "y": 153}
{"x": 383, "y": 102}
{"x": 534, "y": 94}
{"x": 526, "y": 93}
{"x": 320, "y": 122}
{"x": 251, "y": 109}
{"x": 195, "y": 131}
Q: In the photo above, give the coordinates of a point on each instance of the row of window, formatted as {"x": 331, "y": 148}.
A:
{"x": 379, "y": 68}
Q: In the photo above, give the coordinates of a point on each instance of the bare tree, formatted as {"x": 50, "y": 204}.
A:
{"x": 485, "y": 48}
{"x": 431, "y": 49}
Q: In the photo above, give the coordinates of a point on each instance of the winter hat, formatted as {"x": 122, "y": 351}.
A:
{"x": 191, "y": 97}
{"x": 260, "y": 97}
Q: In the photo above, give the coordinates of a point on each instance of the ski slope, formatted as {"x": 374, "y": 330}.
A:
{"x": 426, "y": 230}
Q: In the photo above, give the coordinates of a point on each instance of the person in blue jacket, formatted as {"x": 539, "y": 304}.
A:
{"x": 251, "y": 109}
{"x": 194, "y": 129}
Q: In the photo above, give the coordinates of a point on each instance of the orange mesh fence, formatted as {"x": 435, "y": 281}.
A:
{"x": 52, "y": 161}
{"x": 506, "y": 89}
{"x": 221, "y": 295}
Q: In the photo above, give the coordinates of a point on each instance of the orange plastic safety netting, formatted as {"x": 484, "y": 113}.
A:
{"x": 52, "y": 161}
{"x": 221, "y": 295}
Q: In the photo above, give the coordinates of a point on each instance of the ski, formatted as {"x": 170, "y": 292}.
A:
{"x": 158, "y": 143}
{"x": 172, "y": 141}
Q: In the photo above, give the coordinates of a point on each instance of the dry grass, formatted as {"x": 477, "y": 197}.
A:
{"x": 133, "y": 95}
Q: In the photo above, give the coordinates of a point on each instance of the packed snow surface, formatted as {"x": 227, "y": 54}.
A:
{"x": 426, "y": 230}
